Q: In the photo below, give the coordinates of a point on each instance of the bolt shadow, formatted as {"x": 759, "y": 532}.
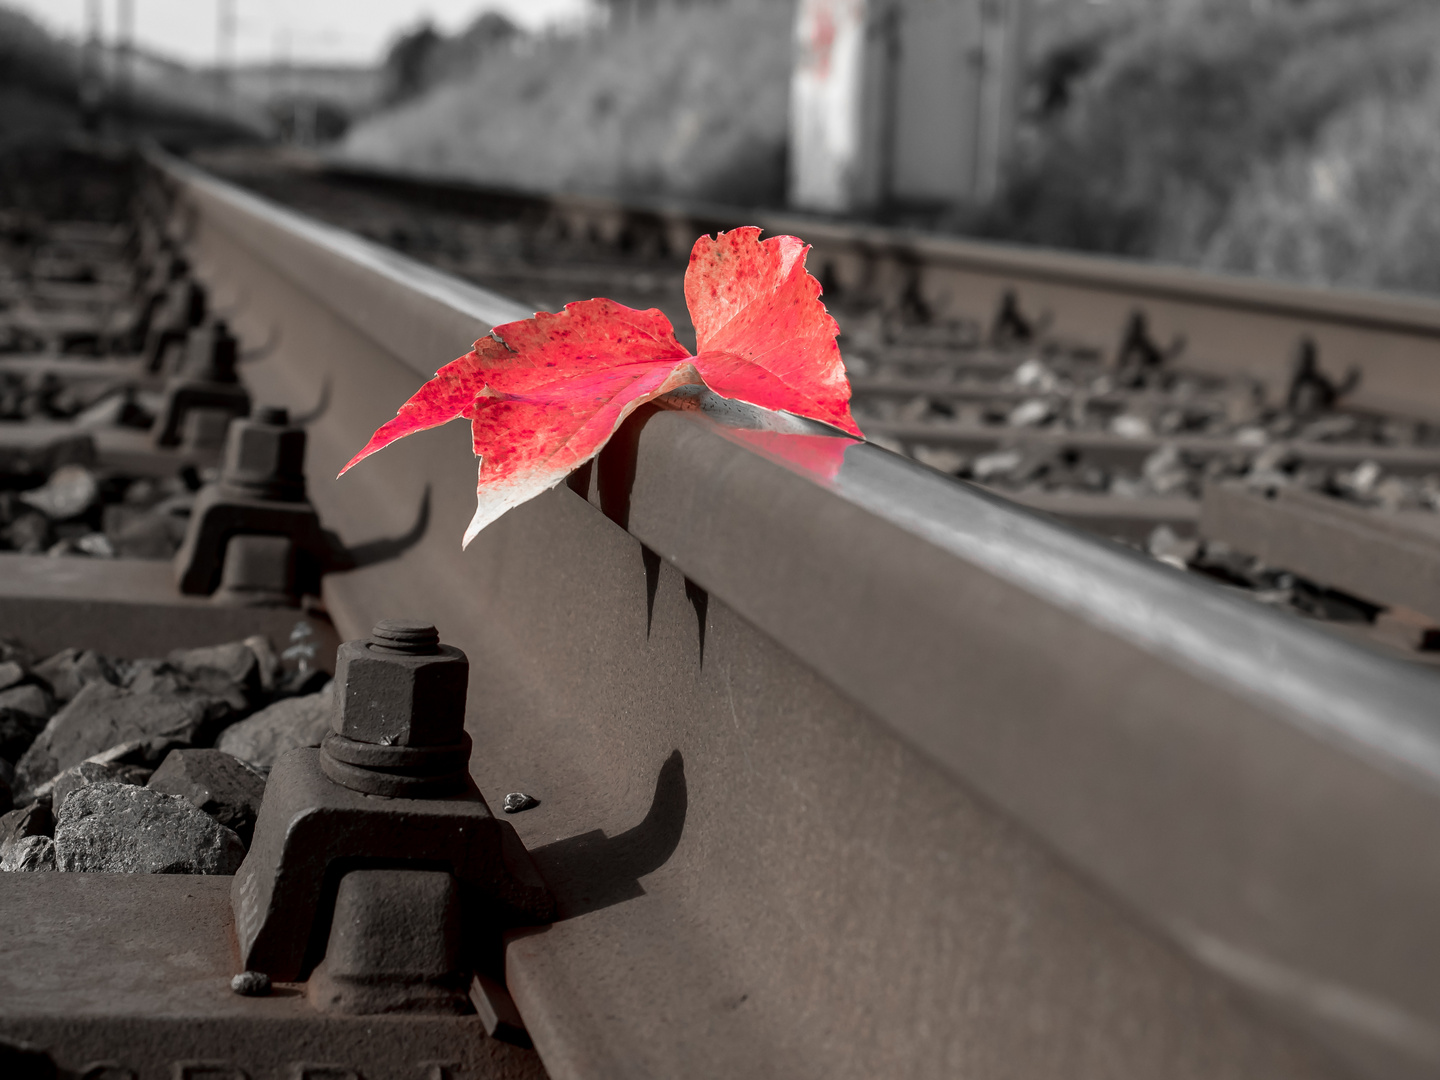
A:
{"x": 319, "y": 409}
{"x": 386, "y": 548}
{"x": 265, "y": 348}
{"x": 593, "y": 871}
{"x": 612, "y": 474}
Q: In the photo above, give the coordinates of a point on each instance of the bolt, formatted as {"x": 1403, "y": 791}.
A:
{"x": 265, "y": 457}
{"x": 182, "y": 308}
{"x": 401, "y": 687}
{"x": 184, "y": 305}
{"x": 405, "y": 637}
{"x": 211, "y": 353}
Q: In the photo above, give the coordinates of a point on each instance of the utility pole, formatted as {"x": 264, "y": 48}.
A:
{"x": 283, "y": 99}
{"x": 224, "y": 48}
{"x": 94, "y": 31}
{"x": 125, "y": 60}
{"x": 92, "y": 86}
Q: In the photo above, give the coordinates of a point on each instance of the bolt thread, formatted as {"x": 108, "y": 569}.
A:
{"x": 409, "y": 636}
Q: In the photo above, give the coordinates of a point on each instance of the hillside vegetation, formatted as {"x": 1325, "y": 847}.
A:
{"x": 688, "y": 103}
{"x": 1291, "y": 138}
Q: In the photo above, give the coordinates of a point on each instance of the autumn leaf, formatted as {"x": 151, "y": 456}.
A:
{"x": 544, "y": 395}
{"x": 761, "y": 333}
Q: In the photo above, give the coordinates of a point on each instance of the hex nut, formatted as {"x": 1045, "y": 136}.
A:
{"x": 399, "y": 700}
{"x": 266, "y": 457}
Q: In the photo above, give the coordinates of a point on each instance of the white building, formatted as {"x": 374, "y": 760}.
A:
{"x": 897, "y": 102}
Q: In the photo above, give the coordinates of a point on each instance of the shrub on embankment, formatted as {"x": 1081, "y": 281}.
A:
{"x": 1289, "y": 138}
{"x": 689, "y": 103}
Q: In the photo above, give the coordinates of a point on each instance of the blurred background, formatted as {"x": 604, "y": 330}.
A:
{"x": 1294, "y": 139}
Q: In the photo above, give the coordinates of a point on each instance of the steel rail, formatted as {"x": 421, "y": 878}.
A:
{"x": 872, "y": 773}
{"x": 1230, "y": 323}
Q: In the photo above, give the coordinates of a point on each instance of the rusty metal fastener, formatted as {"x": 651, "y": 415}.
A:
{"x": 183, "y": 307}
{"x": 261, "y": 491}
{"x": 402, "y": 687}
{"x": 258, "y": 571}
{"x": 207, "y": 380}
{"x": 395, "y": 940}
{"x": 265, "y": 456}
{"x": 399, "y": 723}
{"x": 320, "y": 813}
{"x": 211, "y": 354}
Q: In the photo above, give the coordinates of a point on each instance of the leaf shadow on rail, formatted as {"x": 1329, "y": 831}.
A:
{"x": 591, "y": 871}
{"x": 611, "y": 473}
{"x": 611, "y": 476}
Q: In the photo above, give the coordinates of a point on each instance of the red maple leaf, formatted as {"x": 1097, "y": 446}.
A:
{"x": 544, "y": 395}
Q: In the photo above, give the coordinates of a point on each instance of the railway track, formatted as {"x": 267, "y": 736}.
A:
{"x": 1130, "y": 402}
{"x": 871, "y": 773}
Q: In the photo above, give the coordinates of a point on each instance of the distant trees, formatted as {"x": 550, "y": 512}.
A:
{"x": 423, "y": 58}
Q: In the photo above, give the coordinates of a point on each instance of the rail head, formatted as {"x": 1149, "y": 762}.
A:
{"x": 1259, "y": 791}
{"x": 419, "y": 313}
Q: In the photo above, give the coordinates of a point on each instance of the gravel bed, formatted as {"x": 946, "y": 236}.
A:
{"x": 152, "y": 765}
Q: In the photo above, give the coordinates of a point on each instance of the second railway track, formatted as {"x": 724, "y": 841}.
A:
{"x": 873, "y": 773}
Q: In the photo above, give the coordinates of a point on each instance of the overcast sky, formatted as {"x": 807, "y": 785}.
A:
{"x": 330, "y": 30}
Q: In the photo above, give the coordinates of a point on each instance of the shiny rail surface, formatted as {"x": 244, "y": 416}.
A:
{"x": 874, "y": 774}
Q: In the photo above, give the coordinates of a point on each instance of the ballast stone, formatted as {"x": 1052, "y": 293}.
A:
{"x": 25, "y": 712}
{"x": 123, "y": 829}
{"x": 227, "y": 701}
{"x": 17, "y": 731}
{"x": 32, "y": 820}
{"x": 235, "y": 663}
{"x": 101, "y": 716}
{"x": 29, "y": 855}
{"x": 21, "y": 1061}
{"x": 12, "y": 673}
{"x": 218, "y": 783}
{"x": 288, "y": 724}
{"x": 29, "y": 699}
{"x": 85, "y": 774}
{"x": 70, "y": 670}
